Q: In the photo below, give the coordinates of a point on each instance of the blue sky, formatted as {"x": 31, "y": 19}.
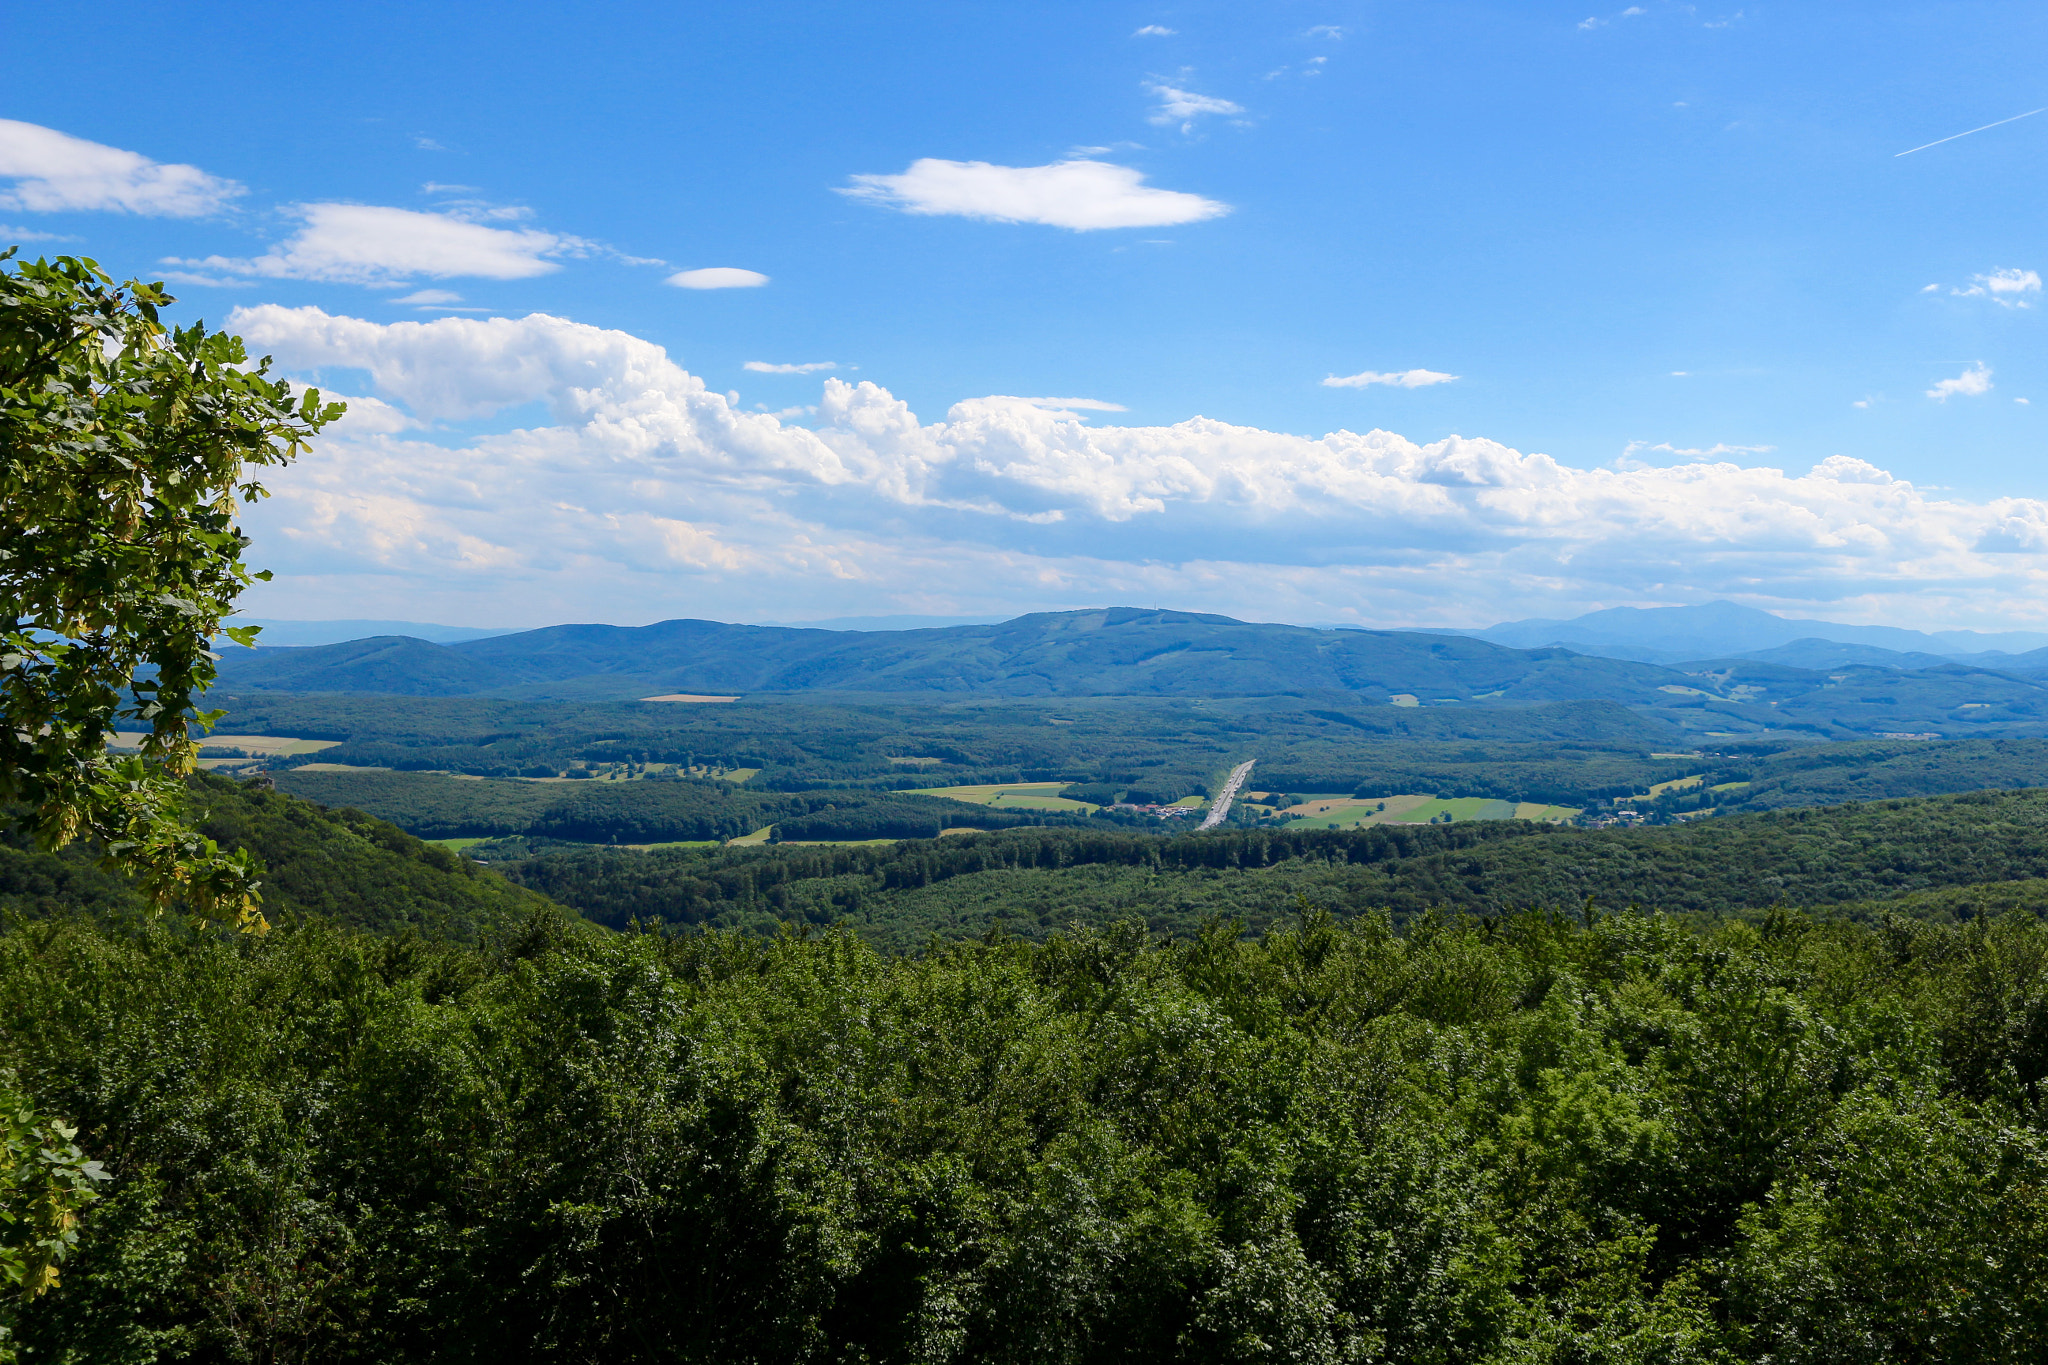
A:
{"x": 1672, "y": 248}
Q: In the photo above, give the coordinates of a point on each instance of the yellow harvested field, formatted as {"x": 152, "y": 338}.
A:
{"x": 688, "y": 697}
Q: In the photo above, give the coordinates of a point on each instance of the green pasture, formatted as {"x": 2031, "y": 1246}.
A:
{"x": 1012, "y": 796}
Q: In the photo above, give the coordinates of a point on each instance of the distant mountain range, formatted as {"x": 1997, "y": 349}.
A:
{"x": 1112, "y": 652}
{"x": 298, "y": 634}
{"x": 1819, "y": 688}
{"x": 1727, "y": 630}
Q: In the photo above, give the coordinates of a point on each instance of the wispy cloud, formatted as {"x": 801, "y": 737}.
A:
{"x": 384, "y": 247}
{"x": 810, "y": 367}
{"x": 13, "y": 235}
{"x": 1068, "y": 405}
{"x": 717, "y": 277}
{"x": 1398, "y": 379}
{"x": 2008, "y": 288}
{"x": 1083, "y": 195}
{"x": 1183, "y": 107}
{"x": 54, "y": 172}
{"x": 1155, "y": 31}
{"x": 1325, "y": 31}
{"x": 1971, "y": 383}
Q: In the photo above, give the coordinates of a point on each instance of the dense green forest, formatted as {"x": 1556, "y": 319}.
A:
{"x": 1037, "y": 1094}
{"x": 1035, "y": 882}
{"x": 1530, "y": 1138}
{"x": 435, "y": 806}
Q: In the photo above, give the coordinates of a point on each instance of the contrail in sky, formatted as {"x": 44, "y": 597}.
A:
{"x": 1953, "y": 136}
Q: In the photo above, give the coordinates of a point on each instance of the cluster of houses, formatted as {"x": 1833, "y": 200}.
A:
{"x": 1157, "y": 812}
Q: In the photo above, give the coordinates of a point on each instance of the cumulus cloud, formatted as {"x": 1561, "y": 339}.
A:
{"x": 809, "y": 367}
{"x": 53, "y": 172}
{"x": 1399, "y": 379}
{"x": 1081, "y": 194}
{"x": 642, "y": 485}
{"x": 1184, "y": 106}
{"x": 1971, "y": 383}
{"x": 2008, "y": 288}
{"x": 717, "y": 277}
{"x": 372, "y": 245}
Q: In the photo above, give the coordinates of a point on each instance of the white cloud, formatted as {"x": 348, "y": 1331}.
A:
{"x": 14, "y": 236}
{"x": 1633, "y": 11}
{"x": 1155, "y": 31}
{"x": 1081, "y": 194}
{"x": 1073, "y": 404}
{"x": 371, "y": 245}
{"x": 1184, "y": 106}
{"x": 1971, "y": 383}
{"x": 642, "y": 486}
{"x": 1591, "y": 22}
{"x": 430, "y": 296}
{"x": 1325, "y": 31}
{"x": 2024, "y": 402}
{"x": 2010, "y": 288}
{"x": 717, "y": 277}
{"x": 1930, "y": 289}
{"x": 810, "y": 367}
{"x": 1718, "y": 450}
{"x": 1399, "y": 379}
{"x": 53, "y": 172}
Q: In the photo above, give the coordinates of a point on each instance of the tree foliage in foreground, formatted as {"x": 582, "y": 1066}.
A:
{"x": 1524, "y": 1139}
{"x": 125, "y": 445}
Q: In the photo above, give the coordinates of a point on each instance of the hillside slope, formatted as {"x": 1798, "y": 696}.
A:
{"x": 340, "y": 865}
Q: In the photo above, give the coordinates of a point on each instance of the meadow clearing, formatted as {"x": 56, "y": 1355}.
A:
{"x": 1013, "y": 796}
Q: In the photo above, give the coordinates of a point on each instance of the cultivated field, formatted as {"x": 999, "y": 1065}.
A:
{"x": 1349, "y": 812}
{"x": 1011, "y": 796}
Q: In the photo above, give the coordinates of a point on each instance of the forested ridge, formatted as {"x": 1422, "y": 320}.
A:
{"x": 1034, "y": 882}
